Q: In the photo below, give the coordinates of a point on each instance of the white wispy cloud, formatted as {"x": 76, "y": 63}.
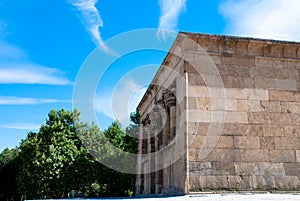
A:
{"x": 273, "y": 19}
{"x": 92, "y": 20}
{"x": 28, "y": 73}
{"x": 16, "y": 69}
{"x": 11, "y": 52}
{"x": 170, "y": 11}
{"x": 12, "y": 100}
{"x": 21, "y": 126}
{"x": 120, "y": 102}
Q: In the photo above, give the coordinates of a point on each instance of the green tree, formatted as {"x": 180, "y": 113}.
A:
{"x": 47, "y": 157}
{"x": 61, "y": 159}
{"x": 9, "y": 166}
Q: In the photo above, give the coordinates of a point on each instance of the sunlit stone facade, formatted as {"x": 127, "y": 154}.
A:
{"x": 222, "y": 113}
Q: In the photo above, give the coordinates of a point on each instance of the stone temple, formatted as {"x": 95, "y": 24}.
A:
{"x": 222, "y": 113}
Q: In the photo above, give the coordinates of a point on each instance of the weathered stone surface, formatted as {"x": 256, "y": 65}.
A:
{"x": 243, "y": 142}
{"x": 271, "y": 169}
{"x": 267, "y": 142}
{"x": 251, "y": 155}
{"x": 298, "y": 156}
{"x": 292, "y": 131}
{"x": 237, "y": 122}
{"x": 238, "y": 182}
{"x": 287, "y": 143}
{"x": 277, "y": 84}
{"x": 273, "y": 73}
{"x": 271, "y": 106}
{"x": 290, "y": 107}
{"x": 243, "y": 168}
{"x": 213, "y": 182}
{"x": 273, "y": 130}
{"x": 287, "y": 182}
{"x": 292, "y": 169}
{"x": 282, "y": 156}
{"x": 281, "y": 95}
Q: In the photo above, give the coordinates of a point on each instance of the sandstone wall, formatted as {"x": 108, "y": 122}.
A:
{"x": 258, "y": 146}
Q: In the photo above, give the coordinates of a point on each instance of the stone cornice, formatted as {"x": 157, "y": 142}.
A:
{"x": 243, "y": 46}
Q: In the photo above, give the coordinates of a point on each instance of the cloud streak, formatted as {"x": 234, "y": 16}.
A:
{"x": 28, "y": 73}
{"x": 170, "y": 11}
{"x": 12, "y": 100}
{"x": 16, "y": 69}
{"x": 91, "y": 19}
{"x": 273, "y": 19}
{"x": 11, "y": 52}
{"x": 21, "y": 126}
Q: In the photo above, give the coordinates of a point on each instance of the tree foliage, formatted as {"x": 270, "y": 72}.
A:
{"x": 61, "y": 160}
{"x": 9, "y": 166}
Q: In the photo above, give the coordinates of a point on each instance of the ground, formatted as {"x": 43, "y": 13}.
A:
{"x": 216, "y": 197}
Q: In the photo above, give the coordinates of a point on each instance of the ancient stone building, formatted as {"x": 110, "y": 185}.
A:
{"x": 222, "y": 113}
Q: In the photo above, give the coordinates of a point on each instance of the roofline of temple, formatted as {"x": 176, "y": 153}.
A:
{"x": 265, "y": 43}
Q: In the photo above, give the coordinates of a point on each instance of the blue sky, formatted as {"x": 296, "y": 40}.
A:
{"x": 43, "y": 44}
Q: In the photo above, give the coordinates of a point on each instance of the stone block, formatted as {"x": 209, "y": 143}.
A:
{"x": 237, "y": 93}
{"x": 262, "y": 183}
{"x": 296, "y": 119}
{"x": 277, "y": 95}
{"x": 223, "y": 168}
{"x": 216, "y": 155}
{"x": 281, "y": 118}
{"x": 267, "y": 142}
{"x": 203, "y": 103}
{"x": 270, "y": 106}
{"x": 236, "y": 71}
{"x": 242, "y": 105}
{"x": 196, "y": 141}
{"x": 290, "y": 52}
{"x": 238, "y": 82}
{"x": 273, "y": 130}
{"x": 282, "y": 156}
{"x": 238, "y": 182}
{"x": 258, "y": 94}
{"x": 287, "y": 183}
{"x": 290, "y": 107}
{"x": 238, "y": 60}
{"x": 259, "y": 118}
{"x": 243, "y": 142}
{"x": 224, "y": 142}
{"x": 213, "y": 182}
{"x": 251, "y": 155}
{"x": 199, "y": 116}
{"x": 194, "y": 185}
{"x": 268, "y": 62}
{"x": 236, "y": 117}
{"x": 246, "y": 168}
{"x": 254, "y": 106}
{"x": 287, "y": 143}
{"x": 276, "y": 84}
{"x": 195, "y": 128}
{"x": 298, "y": 156}
{"x": 292, "y": 131}
{"x": 271, "y": 169}
{"x": 200, "y": 168}
{"x": 249, "y": 106}
{"x": 292, "y": 169}
{"x": 293, "y": 64}
{"x": 296, "y": 96}
{"x": 270, "y": 72}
